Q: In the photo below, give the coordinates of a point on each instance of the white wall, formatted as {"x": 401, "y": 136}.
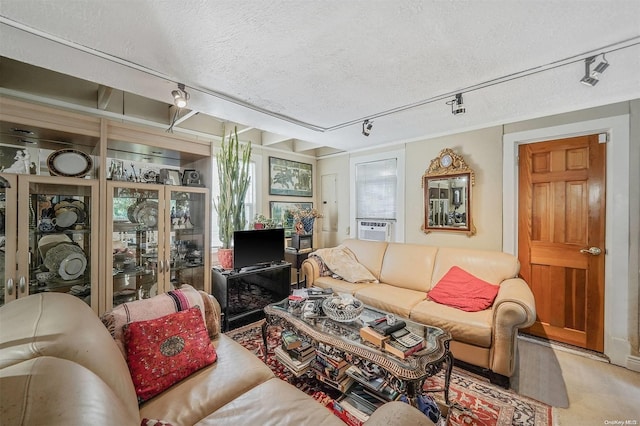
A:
{"x": 483, "y": 151}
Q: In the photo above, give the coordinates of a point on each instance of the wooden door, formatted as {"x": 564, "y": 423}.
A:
{"x": 561, "y": 224}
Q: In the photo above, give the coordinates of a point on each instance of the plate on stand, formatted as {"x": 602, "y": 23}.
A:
{"x": 69, "y": 163}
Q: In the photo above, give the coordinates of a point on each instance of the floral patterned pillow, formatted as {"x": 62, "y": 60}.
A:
{"x": 165, "y": 350}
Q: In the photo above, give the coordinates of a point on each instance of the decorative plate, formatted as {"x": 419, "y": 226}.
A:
{"x": 130, "y": 211}
{"x": 67, "y": 259}
{"x": 81, "y": 215}
{"x": 69, "y": 163}
{"x": 147, "y": 214}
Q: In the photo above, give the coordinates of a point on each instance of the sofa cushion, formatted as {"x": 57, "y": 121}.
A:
{"x": 257, "y": 407}
{"x": 146, "y": 309}
{"x": 469, "y": 327}
{"x": 460, "y": 289}
{"x": 368, "y": 253}
{"x": 389, "y": 298}
{"x": 63, "y": 326}
{"x": 343, "y": 263}
{"x": 340, "y": 286}
{"x": 55, "y": 391}
{"x": 408, "y": 266}
{"x": 491, "y": 266}
{"x": 236, "y": 371}
{"x": 175, "y": 346}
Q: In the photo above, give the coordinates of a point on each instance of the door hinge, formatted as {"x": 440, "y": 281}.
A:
{"x": 603, "y": 138}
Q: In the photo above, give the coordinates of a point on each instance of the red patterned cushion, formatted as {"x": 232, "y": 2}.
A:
{"x": 155, "y": 307}
{"x": 459, "y": 289}
{"x": 165, "y": 350}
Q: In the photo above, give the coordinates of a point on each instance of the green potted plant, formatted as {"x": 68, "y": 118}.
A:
{"x": 233, "y": 177}
{"x": 260, "y": 221}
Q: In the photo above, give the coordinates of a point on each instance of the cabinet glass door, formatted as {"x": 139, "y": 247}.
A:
{"x": 137, "y": 235}
{"x": 188, "y": 236}
{"x": 8, "y": 238}
{"x": 56, "y": 219}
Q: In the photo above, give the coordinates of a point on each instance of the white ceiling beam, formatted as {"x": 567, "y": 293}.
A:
{"x": 299, "y": 145}
{"x": 104, "y": 96}
{"x": 245, "y": 130}
{"x": 269, "y": 138}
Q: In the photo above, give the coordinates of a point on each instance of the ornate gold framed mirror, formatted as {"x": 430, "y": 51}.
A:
{"x": 447, "y": 186}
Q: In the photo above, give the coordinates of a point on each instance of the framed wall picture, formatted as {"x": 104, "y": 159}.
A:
{"x": 282, "y": 214}
{"x": 287, "y": 177}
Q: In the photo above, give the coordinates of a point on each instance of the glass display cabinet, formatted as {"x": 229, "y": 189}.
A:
{"x": 105, "y": 210}
{"x": 49, "y": 232}
{"x": 8, "y": 239}
{"x": 159, "y": 238}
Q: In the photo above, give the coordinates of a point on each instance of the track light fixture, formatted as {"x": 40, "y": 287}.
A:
{"x": 180, "y": 96}
{"x": 180, "y": 100}
{"x": 457, "y": 105}
{"x": 366, "y": 127}
{"x": 591, "y": 78}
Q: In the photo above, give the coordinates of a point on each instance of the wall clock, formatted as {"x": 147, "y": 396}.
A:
{"x": 445, "y": 160}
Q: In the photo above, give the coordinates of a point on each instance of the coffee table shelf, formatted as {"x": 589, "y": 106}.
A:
{"x": 407, "y": 376}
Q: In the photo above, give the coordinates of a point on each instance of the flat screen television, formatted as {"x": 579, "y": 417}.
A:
{"x": 258, "y": 247}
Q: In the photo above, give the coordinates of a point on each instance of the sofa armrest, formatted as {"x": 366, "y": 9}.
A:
{"x": 310, "y": 270}
{"x": 398, "y": 413}
{"x": 212, "y": 313}
{"x": 513, "y": 308}
{"x": 516, "y": 290}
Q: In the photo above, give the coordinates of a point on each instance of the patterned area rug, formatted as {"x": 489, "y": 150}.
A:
{"x": 482, "y": 403}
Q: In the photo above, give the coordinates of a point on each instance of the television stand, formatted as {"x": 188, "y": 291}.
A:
{"x": 254, "y": 267}
{"x": 243, "y": 294}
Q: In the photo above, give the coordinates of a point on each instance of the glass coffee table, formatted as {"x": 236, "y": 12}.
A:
{"x": 406, "y": 376}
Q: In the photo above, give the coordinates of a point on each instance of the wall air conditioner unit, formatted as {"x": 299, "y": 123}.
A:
{"x": 374, "y": 230}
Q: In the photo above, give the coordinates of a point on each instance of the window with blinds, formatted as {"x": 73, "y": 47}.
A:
{"x": 376, "y": 189}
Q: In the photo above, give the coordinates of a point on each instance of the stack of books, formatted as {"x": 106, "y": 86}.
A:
{"x": 298, "y": 368}
{"x": 294, "y": 353}
{"x": 290, "y": 340}
{"x": 370, "y": 335}
{"x": 350, "y": 412}
{"x": 331, "y": 370}
{"x": 303, "y": 353}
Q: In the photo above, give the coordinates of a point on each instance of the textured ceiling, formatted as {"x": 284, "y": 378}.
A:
{"x": 314, "y": 70}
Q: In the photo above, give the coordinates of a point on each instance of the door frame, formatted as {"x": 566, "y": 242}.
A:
{"x": 616, "y": 309}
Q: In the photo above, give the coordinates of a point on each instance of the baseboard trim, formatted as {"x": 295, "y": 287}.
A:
{"x": 633, "y": 363}
{"x": 597, "y": 356}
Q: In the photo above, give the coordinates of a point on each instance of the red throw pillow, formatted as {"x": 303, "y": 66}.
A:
{"x": 459, "y": 289}
{"x": 165, "y": 350}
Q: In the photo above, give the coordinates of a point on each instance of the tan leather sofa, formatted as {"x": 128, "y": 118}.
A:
{"x": 406, "y": 273}
{"x": 60, "y": 366}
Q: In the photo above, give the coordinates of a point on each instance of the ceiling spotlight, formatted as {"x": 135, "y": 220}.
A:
{"x": 366, "y": 127}
{"x": 180, "y": 96}
{"x": 457, "y": 105}
{"x": 591, "y": 78}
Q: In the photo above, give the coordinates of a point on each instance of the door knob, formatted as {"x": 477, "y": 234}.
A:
{"x": 591, "y": 250}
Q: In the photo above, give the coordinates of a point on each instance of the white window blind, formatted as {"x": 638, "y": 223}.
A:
{"x": 249, "y": 201}
{"x": 376, "y": 189}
